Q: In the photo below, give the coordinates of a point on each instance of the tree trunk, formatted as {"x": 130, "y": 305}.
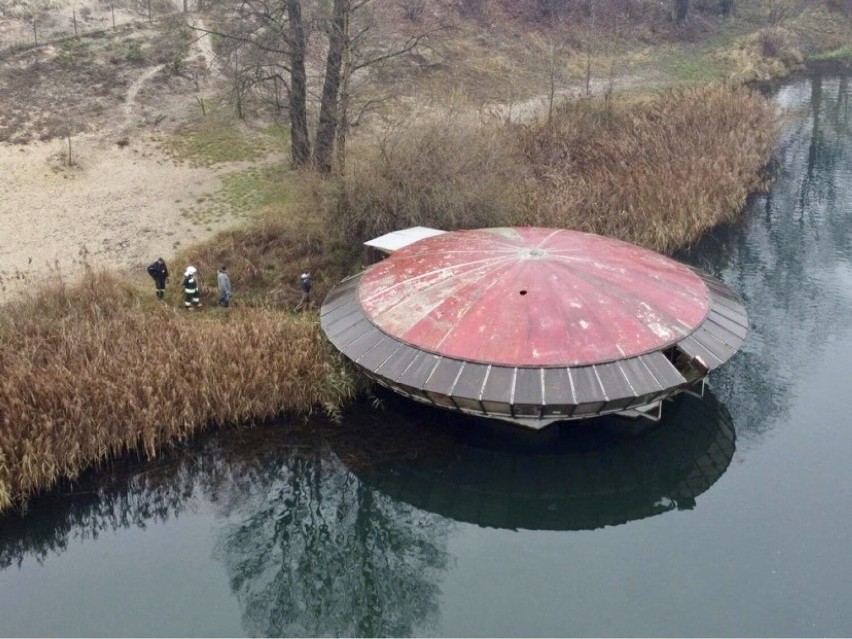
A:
{"x": 300, "y": 143}
{"x": 679, "y": 11}
{"x": 344, "y": 100}
{"x": 327, "y": 127}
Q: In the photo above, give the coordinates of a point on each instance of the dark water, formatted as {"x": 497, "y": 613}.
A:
{"x": 734, "y": 517}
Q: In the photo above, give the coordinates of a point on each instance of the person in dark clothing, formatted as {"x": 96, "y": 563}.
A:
{"x": 305, "y": 286}
{"x": 160, "y": 272}
{"x": 224, "y": 283}
{"x": 192, "y": 293}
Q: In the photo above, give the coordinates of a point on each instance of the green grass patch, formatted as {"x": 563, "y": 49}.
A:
{"x": 694, "y": 67}
{"x": 244, "y": 194}
{"x": 841, "y": 53}
{"x": 218, "y": 139}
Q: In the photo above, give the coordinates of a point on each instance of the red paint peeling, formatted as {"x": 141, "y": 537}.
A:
{"x": 533, "y": 297}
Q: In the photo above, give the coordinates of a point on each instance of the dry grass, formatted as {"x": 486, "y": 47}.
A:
{"x": 657, "y": 173}
{"x": 89, "y": 373}
{"x": 265, "y": 257}
{"x": 764, "y": 56}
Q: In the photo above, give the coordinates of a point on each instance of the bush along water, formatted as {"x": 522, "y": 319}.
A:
{"x": 657, "y": 171}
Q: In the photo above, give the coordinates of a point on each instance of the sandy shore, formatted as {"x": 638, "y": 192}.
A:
{"x": 120, "y": 206}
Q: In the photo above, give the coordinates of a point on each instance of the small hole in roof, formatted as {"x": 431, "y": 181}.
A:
{"x": 523, "y": 292}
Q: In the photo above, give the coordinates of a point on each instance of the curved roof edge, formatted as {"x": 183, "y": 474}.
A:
{"x": 535, "y": 393}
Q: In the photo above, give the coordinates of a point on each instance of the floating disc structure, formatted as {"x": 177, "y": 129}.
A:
{"x": 534, "y": 325}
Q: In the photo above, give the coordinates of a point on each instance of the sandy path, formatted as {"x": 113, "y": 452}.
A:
{"x": 120, "y": 206}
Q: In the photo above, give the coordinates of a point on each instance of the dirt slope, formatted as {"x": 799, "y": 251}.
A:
{"x": 120, "y": 201}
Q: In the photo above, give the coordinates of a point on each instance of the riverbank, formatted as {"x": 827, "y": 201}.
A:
{"x": 96, "y": 370}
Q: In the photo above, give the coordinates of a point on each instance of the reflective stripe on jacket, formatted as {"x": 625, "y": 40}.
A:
{"x": 190, "y": 285}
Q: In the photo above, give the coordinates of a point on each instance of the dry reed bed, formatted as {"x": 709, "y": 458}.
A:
{"x": 658, "y": 173}
{"x": 88, "y": 374}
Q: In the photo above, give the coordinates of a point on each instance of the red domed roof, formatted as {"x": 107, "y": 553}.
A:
{"x": 533, "y": 297}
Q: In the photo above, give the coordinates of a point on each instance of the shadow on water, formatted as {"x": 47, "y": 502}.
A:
{"x": 587, "y": 475}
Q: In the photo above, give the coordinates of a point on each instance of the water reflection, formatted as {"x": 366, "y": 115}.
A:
{"x": 309, "y": 549}
{"x": 789, "y": 257}
{"x": 136, "y": 497}
{"x": 342, "y": 530}
{"x": 588, "y": 475}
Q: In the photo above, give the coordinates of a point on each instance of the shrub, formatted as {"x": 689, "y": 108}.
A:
{"x": 446, "y": 175}
{"x": 657, "y": 173}
{"x": 133, "y": 52}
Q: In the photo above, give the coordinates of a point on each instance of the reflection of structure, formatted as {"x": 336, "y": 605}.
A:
{"x": 308, "y": 549}
{"x": 534, "y": 325}
{"x": 587, "y": 479}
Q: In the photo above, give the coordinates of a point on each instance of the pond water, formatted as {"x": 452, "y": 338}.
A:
{"x": 733, "y": 517}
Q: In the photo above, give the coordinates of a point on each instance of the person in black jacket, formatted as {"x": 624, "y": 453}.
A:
{"x": 191, "y": 290}
{"x": 160, "y": 272}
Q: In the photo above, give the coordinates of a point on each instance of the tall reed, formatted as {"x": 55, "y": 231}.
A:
{"x": 87, "y": 374}
{"x": 657, "y": 173}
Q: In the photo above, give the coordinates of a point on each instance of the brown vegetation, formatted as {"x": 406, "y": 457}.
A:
{"x": 90, "y": 373}
{"x": 657, "y": 172}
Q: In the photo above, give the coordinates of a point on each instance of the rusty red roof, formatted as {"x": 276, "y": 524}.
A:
{"x": 533, "y": 297}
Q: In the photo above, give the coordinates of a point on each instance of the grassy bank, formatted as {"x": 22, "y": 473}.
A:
{"x": 94, "y": 371}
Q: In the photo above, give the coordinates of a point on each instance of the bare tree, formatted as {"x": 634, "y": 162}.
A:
{"x": 556, "y": 50}
{"x": 338, "y": 41}
{"x": 279, "y": 34}
{"x": 365, "y": 48}
{"x": 275, "y": 34}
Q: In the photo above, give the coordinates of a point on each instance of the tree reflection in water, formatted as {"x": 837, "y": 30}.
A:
{"x": 312, "y": 549}
{"x": 789, "y": 257}
{"x": 308, "y": 548}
